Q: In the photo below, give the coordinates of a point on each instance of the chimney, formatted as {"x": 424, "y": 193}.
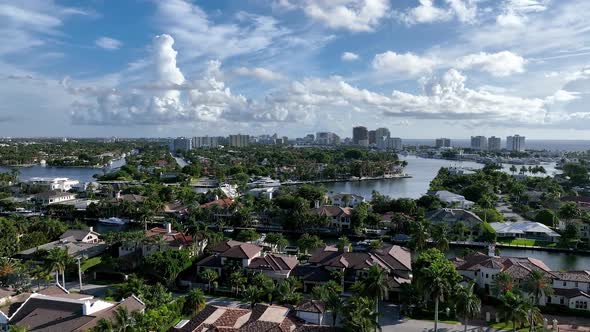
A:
{"x": 118, "y": 194}
{"x": 168, "y": 228}
{"x": 216, "y": 197}
{"x": 91, "y": 229}
{"x": 317, "y": 204}
{"x": 492, "y": 250}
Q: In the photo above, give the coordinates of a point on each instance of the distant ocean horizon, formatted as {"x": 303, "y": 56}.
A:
{"x": 531, "y": 144}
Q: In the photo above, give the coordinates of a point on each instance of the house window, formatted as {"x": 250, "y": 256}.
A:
{"x": 561, "y": 301}
{"x": 548, "y": 299}
{"x": 576, "y": 284}
{"x": 564, "y": 283}
{"x": 487, "y": 275}
{"x": 581, "y": 305}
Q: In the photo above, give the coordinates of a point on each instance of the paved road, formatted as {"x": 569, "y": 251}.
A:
{"x": 91, "y": 289}
{"x": 506, "y": 210}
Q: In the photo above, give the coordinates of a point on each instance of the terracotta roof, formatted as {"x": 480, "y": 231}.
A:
{"x": 569, "y": 292}
{"x": 174, "y": 239}
{"x": 517, "y": 267}
{"x": 333, "y": 211}
{"x": 244, "y": 250}
{"x": 583, "y": 276}
{"x": 222, "y": 202}
{"x": 390, "y": 257}
{"x": 263, "y": 318}
{"x": 274, "y": 262}
{"x": 175, "y": 207}
{"x": 224, "y": 246}
{"x": 312, "y": 306}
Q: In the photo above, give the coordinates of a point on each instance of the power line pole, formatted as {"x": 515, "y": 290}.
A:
{"x": 80, "y": 272}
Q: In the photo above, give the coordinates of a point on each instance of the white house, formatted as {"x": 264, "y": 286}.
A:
{"x": 262, "y": 192}
{"x": 54, "y": 197}
{"x": 525, "y": 229}
{"x": 453, "y": 199}
{"x": 49, "y": 184}
{"x": 346, "y": 200}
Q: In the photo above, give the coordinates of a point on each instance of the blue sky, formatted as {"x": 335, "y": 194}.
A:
{"x": 423, "y": 68}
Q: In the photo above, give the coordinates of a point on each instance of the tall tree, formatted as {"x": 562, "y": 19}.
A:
{"x": 502, "y": 283}
{"x": 467, "y": 304}
{"x": 537, "y": 285}
{"x": 209, "y": 276}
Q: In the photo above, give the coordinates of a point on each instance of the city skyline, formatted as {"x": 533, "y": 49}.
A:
{"x": 447, "y": 68}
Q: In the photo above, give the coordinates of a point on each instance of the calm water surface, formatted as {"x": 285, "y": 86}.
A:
{"x": 77, "y": 173}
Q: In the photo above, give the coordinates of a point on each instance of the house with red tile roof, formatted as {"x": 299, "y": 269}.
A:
{"x": 55, "y": 309}
{"x": 570, "y": 288}
{"x": 352, "y": 266}
{"x": 262, "y": 318}
{"x": 338, "y": 216}
{"x": 159, "y": 239}
{"x": 248, "y": 256}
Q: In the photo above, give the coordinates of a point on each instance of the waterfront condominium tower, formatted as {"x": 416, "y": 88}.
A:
{"x": 239, "y": 140}
{"x": 360, "y": 136}
{"x": 479, "y": 143}
{"x": 442, "y": 143}
{"x": 515, "y": 143}
{"x": 494, "y": 143}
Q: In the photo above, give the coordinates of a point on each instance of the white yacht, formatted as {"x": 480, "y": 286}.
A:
{"x": 112, "y": 221}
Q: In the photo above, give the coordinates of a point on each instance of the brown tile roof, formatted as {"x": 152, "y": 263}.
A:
{"x": 132, "y": 304}
{"x": 47, "y": 315}
{"x": 390, "y": 257}
{"x": 274, "y": 262}
{"x": 333, "y": 211}
{"x": 58, "y": 291}
{"x": 569, "y": 293}
{"x": 583, "y": 276}
{"x": 312, "y": 306}
{"x": 222, "y": 203}
{"x": 224, "y": 246}
{"x": 78, "y": 234}
{"x": 16, "y": 302}
{"x": 244, "y": 250}
{"x": 174, "y": 239}
{"x": 210, "y": 261}
{"x": 517, "y": 267}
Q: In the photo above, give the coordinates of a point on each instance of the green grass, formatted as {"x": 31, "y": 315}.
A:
{"x": 527, "y": 242}
{"x": 508, "y": 326}
{"x": 94, "y": 261}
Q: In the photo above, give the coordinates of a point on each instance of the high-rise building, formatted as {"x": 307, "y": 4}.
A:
{"x": 205, "y": 142}
{"x": 382, "y": 132}
{"x": 479, "y": 142}
{"x": 309, "y": 138}
{"x": 442, "y": 143}
{"x": 515, "y": 143}
{"x": 372, "y": 137}
{"x": 389, "y": 143}
{"x": 494, "y": 143}
{"x": 327, "y": 138}
{"x": 182, "y": 144}
{"x": 239, "y": 140}
{"x": 360, "y": 136}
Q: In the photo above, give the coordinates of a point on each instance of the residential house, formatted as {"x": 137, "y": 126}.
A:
{"x": 229, "y": 254}
{"x": 451, "y": 217}
{"x": 53, "y": 197}
{"x": 314, "y": 312}
{"x": 78, "y": 243}
{"x": 221, "y": 207}
{"x": 339, "y": 217}
{"x": 266, "y": 192}
{"x": 526, "y": 230}
{"x": 261, "y": 318}
{"x": 346, "y": 200}
{"x": 56, "y": 309}
{"x": 276, "y": 266}
{"x": 570, "y": 288}
{"x": 324, "y": 262}
{"x": 52, "y": 184}
{"x": 161, "y": 239}
{"x": 453, "y": 200}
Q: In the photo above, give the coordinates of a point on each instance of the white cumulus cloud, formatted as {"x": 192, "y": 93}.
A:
{"x": 349, "y": 56}
{"x": 499, "y": 64}
{"x": 407, "y": 64}
{"x": 427, "y": 12}
{"x": 259, "y": 73}
{"x": 108, "y": 43}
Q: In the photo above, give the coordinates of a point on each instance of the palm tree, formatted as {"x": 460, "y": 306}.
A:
{"x": 434, "y": 283}
{"x": 467, "y": 304}
{"x": 195, "y": 301}
{"x": 375, "y": 286}
{"x": 252, "y": 295}
{"x": 515, "y": 308}
{"x": 343, "y": 242}
{"x": 104, "y": 325}
{"x": 419, "y": 234}
{"x": 237, "y": 280}
{"x": 123, "y": 320}
{"x": 502, "y": 283}
{"x": 359, "y": 315}
{"x": 209, "y": 276}
{"x": 537, "y": 284}
{"x": 58, "y": 259}
{"x": 333, "y": 304}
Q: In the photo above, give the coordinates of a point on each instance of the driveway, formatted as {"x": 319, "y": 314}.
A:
{"x": 226, "y": 302}
{"x": 506, "y": 210}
